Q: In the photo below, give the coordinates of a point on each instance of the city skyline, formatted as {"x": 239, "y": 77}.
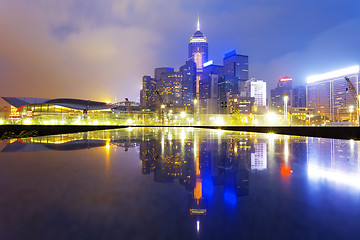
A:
{"x": 46, "y": 47}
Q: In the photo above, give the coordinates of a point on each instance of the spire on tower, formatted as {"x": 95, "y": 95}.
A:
{"x": 198, "y": 24}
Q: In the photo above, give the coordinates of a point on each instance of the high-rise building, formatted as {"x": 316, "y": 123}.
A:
{"x": 236, "y": 65}
{"x": 148, "y": 96}
{"x": 228, "y": 86}
{"x": 188, "y": 84}
{"x": 284, "y": 88}
{"x": 198, "y": 52}
{"x": 332, "y": 96}
{"x": 257, "y": 90}
{"x": 159, "y": 71}
{"x": 170, "y": 90}
{"x": 210, "y": 68}
{"x": 299, "y": 96}
{"x": 209, "y": 94}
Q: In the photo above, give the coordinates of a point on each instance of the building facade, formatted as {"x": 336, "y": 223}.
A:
{"x": 198, "y": 53}
{"x": 284, "y": 88}
{"x": 332, "y": 96}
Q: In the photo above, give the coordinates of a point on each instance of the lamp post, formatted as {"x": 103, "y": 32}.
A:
{"x": 162, "y": 113}
{"x": 286, "y": 98}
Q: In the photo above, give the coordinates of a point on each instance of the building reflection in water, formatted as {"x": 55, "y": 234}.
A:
{"x": 340, "y": 165}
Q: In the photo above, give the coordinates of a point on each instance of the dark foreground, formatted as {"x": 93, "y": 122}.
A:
{"x": 179, "y": 183}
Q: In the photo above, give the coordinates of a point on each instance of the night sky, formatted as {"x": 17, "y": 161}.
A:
{"x": 99, "y": 50}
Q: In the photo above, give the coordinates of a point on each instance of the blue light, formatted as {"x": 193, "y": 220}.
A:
{"x": 208, "y": 186}
{"x": 211, "y": 62}
{"x": 230, "y": 197}
{"x": 229, "y": 54}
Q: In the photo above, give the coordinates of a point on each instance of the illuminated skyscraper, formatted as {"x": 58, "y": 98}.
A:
{"x": 198, "y": 52}
{"x": 332, "y": 96}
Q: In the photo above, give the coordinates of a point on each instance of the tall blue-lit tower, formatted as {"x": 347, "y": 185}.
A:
{"x": 198, "y": 52}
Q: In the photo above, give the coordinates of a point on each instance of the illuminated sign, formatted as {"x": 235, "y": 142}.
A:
{"x": 334, "y": 74}
{"x": 208, "y": 63}
{"x": 285, "y": 79}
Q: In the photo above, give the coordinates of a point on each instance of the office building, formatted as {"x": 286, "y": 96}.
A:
{"x": 188, "y": 84}
{"x": 170, "y": 90}
{"x": 332, "y": 96}
{"x": 299, "y": 97}
{"x": 148, "y": 96}
{"x": 236, "y": 65}
{"x": 284, "y": 88}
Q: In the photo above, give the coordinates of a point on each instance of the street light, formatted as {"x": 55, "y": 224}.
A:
{"x": 162, "y": 114}
{"x": 351, "y": 110}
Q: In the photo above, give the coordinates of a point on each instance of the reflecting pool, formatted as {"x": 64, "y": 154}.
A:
{"x": 179, "y": 183}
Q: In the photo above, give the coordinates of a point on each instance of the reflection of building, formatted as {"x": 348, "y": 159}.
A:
{"x": 330, "y": 93}
{"x": 199, "y": 166}
{"x": 259, "y": 156}
{"x": 339, "y": 165}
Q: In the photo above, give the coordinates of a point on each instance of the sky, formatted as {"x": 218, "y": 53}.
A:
{"x": 100, "y": 50}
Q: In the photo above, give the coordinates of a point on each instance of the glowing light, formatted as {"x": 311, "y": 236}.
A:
{"x": 211, "y": 62}
{"x": 285, "y": 171}
{"x": 162, "y": 106}
{"x": 198, "y": 225}
{"x": 107, "y": 102}
{"x": 334, "y": 74}
{"x": 285, "y": 79}
{"x": 1, "y": 122}
{"x": 183, "y": 114}
{"x": 107, "y": 145}
{"x": 219, "y": 121}
{"x": 26, "y": 122}
{"x": 335, "y": 175}
{"x": 129, "y": 121}
{"x": 230, "y": 197}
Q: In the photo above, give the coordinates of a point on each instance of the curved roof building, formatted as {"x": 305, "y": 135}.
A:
{"x": 71, "y": 103}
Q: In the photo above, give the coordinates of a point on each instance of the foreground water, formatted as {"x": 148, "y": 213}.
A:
{"x": 179, "y": 183}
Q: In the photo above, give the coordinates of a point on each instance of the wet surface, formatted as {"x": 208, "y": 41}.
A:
{"x": 166, "y": 183}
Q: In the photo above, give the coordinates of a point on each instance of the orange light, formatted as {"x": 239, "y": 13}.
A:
{"x": 285, "y": 171}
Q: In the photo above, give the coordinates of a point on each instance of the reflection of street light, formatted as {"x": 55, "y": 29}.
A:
{"x": 286, "y": 98}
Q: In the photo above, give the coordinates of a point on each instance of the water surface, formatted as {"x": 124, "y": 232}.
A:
{"x": 179, "y": 183}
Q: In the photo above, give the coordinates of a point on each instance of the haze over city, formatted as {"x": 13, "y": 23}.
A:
{"x": 100, "y": 49}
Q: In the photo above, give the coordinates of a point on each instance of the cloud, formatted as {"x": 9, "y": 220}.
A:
{"x": 85, "y": 59}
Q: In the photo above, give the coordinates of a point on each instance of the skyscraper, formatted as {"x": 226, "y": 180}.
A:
{"x": 188, "y": 84}
{"x": 198, "y": 52}
{"x": 277, "y": 94}
{"x": 236, "y": 65}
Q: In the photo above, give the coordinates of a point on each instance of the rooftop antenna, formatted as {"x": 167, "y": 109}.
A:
{"x": 198, "y": 23}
